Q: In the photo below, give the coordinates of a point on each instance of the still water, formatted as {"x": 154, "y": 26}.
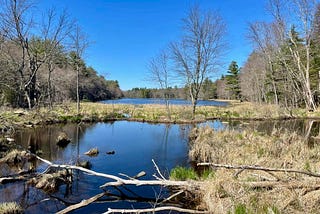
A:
{"x": 142, "y": 101}
{"x": 134, "y": 144}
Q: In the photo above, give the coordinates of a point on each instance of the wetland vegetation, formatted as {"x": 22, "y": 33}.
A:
{"x": 59, "y": 152}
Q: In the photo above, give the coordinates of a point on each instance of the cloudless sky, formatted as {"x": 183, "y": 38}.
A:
{"x": 125, "y": 34}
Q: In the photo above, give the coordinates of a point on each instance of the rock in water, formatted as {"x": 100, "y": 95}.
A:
{"x": 92, "y": 152}
{"x": 62, "y": 139}
{"x": 85, "y": 164}
{"x": 111, "y": 152}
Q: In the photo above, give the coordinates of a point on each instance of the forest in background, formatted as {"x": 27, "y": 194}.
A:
{"x": 283, "y": 67}
{"x": 42, "y": 62}
{"x": 41, "y": 59}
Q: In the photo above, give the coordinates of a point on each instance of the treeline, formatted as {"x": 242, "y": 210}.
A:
{"x": 171, "y": 93}
{"x": 209, "y": 91}
{"x": 41, "y": 59}
{"x": 284, "y": 67}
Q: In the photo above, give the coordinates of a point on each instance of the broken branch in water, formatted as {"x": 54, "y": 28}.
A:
{"x": 158, "y": 170}
{"x": 117, "y": 181}
{"x": 249, "y": 167}
{"x": 83, "y": 203}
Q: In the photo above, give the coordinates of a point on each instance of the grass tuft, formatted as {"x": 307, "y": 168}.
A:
{"x": 10, "y": 208}
{"x": 183, "y": 174}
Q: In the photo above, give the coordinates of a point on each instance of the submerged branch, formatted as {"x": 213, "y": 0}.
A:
{"x": 83, "y": 203}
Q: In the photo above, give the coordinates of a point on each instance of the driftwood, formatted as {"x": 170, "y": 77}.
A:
{"x": 153, "y": 210}
{"x": 249, "y": 167}
{"x": 117, "y": 181}
{"x": 120, "y": 181}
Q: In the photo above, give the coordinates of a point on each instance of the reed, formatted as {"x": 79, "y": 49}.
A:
{"x": 230, "y": 191}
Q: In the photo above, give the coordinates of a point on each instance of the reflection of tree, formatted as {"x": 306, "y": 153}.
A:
{"x": 309, "y": 129}
{"x": 43, "y": 139}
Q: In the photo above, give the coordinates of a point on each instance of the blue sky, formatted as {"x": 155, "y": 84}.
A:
{"x": 125, "y": 34}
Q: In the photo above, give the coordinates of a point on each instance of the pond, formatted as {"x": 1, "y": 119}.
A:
{"x": 141, "y": 101}
{"x": 134, "y": 144}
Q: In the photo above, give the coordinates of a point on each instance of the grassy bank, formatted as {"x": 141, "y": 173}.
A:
{"x": 251, "y": 191}
{"x": 94, "y": 112}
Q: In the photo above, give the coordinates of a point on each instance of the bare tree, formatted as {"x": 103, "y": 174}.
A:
{"x": 253, "y": 78}
{"x": 197, "y": 54}
{"x": 286, "y": 45}
{"x": 159, "y": 73}
{"x": 31, "y": 48}
{"x": 55, "y": 30}
{"x": 80, "y": 43}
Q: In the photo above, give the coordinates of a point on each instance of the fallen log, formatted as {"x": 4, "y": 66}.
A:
{"x": 250, "y": 167}
{"x": 120, "y": 181}
{"x": 153, "y": 210}
{"x": 117, "y": 181}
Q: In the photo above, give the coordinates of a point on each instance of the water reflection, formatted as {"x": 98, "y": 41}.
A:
{"x": 135, "y": 145}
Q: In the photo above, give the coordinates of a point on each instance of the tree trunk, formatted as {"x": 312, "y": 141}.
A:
{"x": 78, "y": 95}
{"x": 50, "y": 68}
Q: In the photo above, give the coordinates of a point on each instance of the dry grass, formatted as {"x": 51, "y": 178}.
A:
{"x": 94, "y": 112}
{"x": 10, "y": 208}
{"x": 280, "y": 150}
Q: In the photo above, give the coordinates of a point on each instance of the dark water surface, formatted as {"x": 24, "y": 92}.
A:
{"x": 135, "y": 145}
{"x": 141, "y": 101}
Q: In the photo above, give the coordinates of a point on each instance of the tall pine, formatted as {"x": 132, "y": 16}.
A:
{"x": 232, "y": 79}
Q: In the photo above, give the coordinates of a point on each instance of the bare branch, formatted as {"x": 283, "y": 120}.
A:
{"x": 248, "y": 167}
{"x": 83, "y": 203}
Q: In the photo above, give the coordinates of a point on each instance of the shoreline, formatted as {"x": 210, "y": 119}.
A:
{"x": 150, "y": 113}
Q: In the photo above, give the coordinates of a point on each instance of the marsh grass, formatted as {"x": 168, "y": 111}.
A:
{"x": 10, "y": 208}
{"x": 96, "y": 112}
{"x": 183, "y": 173}
{"x": 282, "y": 149}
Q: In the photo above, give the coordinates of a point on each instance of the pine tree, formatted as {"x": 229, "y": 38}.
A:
{"x": 232, "y": 78}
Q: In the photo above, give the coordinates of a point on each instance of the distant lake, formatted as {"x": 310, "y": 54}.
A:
{"x": 141, "y": 101}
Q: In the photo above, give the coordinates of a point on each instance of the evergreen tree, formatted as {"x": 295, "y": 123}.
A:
{"x": 232, "y": 79}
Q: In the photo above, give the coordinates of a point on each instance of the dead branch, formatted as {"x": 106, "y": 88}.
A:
{"x": 248, "y": 167}
{"x": 120, "y": 181}
{"x": 153, "y": 210}
{"x": 172, "y": 196}
{"x": 117, "y": 181}
{"x": 83, "y": 203}
{"x": 5, "y": 180}
{"x": 157, "y": 168}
